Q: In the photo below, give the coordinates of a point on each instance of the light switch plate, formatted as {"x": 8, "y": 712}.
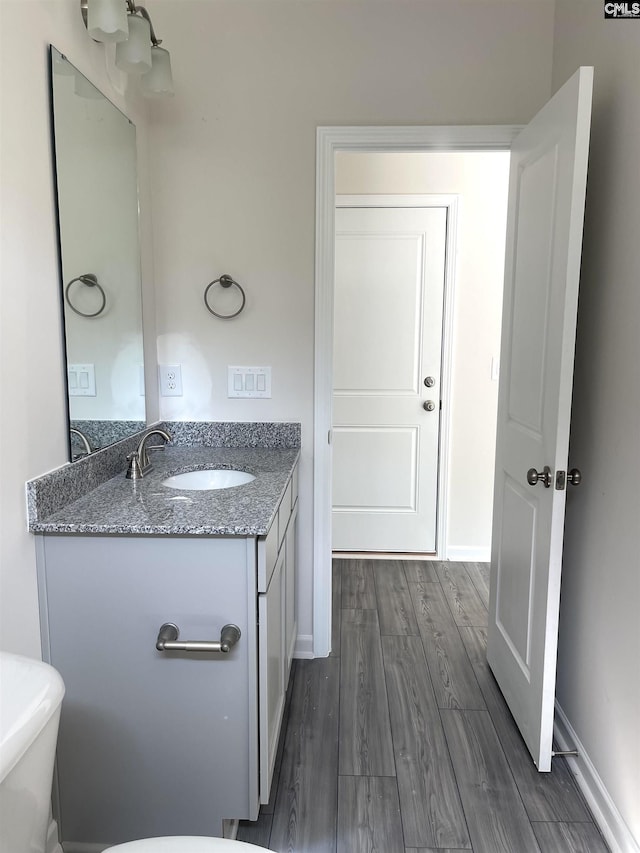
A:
{"x": 249, "y": 382}
{"x": 81, "y": 379}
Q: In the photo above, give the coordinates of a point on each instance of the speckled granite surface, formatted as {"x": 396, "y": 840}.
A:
{"x": 93, "y": 495}
{"x": 100, "y": 434}
{"x": 233, "y": 434}
{"x": 52, "y": 491}
{"x": 122, "y": 506}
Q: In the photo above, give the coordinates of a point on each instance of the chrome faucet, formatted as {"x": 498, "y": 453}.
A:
{"x": 83, "y": 438}
{"x": 139, "y": 462}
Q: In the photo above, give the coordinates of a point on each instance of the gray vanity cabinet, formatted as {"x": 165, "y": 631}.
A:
{"x": 151, "y": 743}
{"x": 166, "y": 743}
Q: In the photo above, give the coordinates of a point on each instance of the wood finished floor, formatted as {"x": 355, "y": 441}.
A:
{"x": 401, "y": 742}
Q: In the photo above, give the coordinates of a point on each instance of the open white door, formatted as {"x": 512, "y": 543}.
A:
{"x": 544, "y": 243}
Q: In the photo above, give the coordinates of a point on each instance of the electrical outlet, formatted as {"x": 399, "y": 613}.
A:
{"x": 170, "y": 376}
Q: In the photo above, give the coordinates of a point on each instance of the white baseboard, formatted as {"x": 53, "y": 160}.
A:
{"x": 384, "y": 555}
{"x": 469, "y": 553}
{"x": 605, "y": 813}
{"x": 304, "y": 647}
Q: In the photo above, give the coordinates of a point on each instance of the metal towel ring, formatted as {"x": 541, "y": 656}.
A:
{"x": 91, "y": 281}
{"x": 224, "y": 281}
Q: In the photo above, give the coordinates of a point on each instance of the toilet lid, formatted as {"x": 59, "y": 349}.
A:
{"x": 185, "y": 844}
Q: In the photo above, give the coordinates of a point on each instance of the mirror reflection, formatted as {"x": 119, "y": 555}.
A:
{"x": 95, "y": 165}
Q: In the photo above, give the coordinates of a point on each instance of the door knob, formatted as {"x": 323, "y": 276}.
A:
{"x": 574, "y": 476}
{"x": 543, "y": 476}
{"x": 428, "y": 405}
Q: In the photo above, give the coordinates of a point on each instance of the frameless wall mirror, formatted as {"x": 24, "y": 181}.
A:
{"x": 95, "y": 166}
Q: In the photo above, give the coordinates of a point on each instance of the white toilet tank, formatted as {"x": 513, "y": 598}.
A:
{"x": 30, "y": 697}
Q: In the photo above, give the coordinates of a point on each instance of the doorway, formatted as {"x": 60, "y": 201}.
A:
{"x": 394, "y": 476}
{"x": 331, "y": 142}
{"x": 389, "y": 288}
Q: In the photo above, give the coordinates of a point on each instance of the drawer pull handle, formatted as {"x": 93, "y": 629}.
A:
{"x": 168, "y": 640}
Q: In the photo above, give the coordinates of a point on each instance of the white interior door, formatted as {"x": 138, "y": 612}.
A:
{"x": 389, "y": 287}
{"x": 544, "y": 242}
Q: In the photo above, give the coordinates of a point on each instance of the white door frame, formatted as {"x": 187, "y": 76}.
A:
{"x": 450, "y": 202}
{"x": 329, "y": 140}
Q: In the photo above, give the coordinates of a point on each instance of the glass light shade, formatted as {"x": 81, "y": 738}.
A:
{"x": 158, "y": 81}
{"x": 107, "y": 20}
{"x": 134, "y": 54}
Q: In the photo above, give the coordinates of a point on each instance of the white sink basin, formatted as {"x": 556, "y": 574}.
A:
{"x": 213, "y": 478}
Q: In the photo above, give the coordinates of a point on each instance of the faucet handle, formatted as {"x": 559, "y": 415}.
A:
{"x": 134, "y": 471}
{"x": 140, "y": 466}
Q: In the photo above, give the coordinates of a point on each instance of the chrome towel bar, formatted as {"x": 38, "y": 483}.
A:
{"x": 168, "y": 640}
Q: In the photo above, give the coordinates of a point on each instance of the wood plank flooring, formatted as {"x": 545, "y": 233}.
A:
{"x": 401, "y": 742}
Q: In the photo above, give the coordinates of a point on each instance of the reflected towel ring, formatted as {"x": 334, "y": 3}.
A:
{"x": 224, "y": 281}
{"x": 91, "y": 281}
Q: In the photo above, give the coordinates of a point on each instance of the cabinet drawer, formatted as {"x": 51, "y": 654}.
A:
{"x": 283, "y": 514}
{"x": 267, "y": 556}
{"x": 270, "y": 546}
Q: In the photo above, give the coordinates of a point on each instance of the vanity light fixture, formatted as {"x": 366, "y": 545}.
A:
{"x": 138, "y": 51}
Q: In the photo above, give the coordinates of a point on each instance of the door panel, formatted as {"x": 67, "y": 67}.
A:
{"x": 387, "y": 339}
{"x": 513, "y": 593}
{"x": 544, "y": 241}
{"x": 535, "y": 228}
{"x": 382, "y": 475}
{"x": 378, "y": 312}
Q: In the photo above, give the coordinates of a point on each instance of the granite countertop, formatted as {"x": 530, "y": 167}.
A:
{"x": 146, "y": 507}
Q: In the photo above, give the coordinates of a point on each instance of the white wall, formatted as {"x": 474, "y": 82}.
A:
{"x": 32, "y": 417}
{"x": 598, "y": 675}
{"x": 233, "y": 159}
{"x": 480, "y": 179}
